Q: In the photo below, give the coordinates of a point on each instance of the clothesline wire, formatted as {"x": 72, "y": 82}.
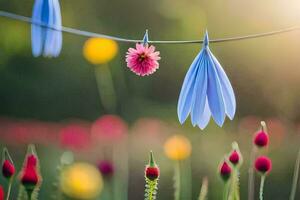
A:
{"x": 119, "y": 39}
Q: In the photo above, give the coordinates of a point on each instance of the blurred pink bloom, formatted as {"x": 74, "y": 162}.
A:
{"x": 23, "y": 132}
{"x": 143, "y": 60}
{"x": 276, "y": 130}
{"x": 249, "y": 124}
{"x": 75, "y": 137}
{"x": 109, "y": 127}
{"x": 148, "y": 126}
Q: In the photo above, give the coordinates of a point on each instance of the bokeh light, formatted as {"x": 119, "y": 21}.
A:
{"x": 81, "y": 181}
{"x": 100, "y": 50}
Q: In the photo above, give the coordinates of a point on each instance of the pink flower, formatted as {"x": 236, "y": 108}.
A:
{"x": 109, "y": 128}
{"x": 75, "y": 137}
{"x": 143, "y": 60}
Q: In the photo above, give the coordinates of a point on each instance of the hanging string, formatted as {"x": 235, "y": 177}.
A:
{"x": 119, "y": 39}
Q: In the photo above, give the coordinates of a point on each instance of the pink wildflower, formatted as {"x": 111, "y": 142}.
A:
{"x": 143, "y": 60}
{"x": 109, "y": 128}
{"x": 75, "y": 137}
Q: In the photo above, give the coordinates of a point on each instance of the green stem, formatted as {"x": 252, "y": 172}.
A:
{"x": 105, "y": 88}
{"x": 237, "y": 188}
{"x": 295, "y": 177}
{"x": 29, "y": 194}
{"x": 9, "y": 188}
{"x": 177, "y": 181}
{"x": 152, "y": 185}
{"x": 186, "y": 181}
{"x": 251, "y": 178}
{"x": 120, "y": 179}
{"x": 234, "y": 193}
{"x": 261, "y": 189}
{"x": 226, "y": 190}
{"x": 204, "y": 189}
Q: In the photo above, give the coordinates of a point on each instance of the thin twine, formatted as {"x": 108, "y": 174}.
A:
{"x": 119, "y": 39}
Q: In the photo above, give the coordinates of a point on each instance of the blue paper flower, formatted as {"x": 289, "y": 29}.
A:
{"x": 46, "y": 41}
{"x": 206, "y": 91}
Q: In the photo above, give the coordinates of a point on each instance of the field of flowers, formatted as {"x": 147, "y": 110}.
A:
{"x": 161, "y": 99}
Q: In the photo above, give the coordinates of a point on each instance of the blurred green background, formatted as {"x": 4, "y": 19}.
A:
{"x": 264, "y": 73}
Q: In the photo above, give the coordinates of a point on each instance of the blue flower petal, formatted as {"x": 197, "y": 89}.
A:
{"x": 48, "y": 48}
{"x": 206, "y": 91}
{"x": 46, "y": 41}
{"x": 205, "y": 117}
{"x": 185, "y": 101}
{"x": 214, "y": 93}
{"x": 53, "y": 41}
{"x": 36, "y": 31}
{"x": 228, "y": 93}
{"x": 199, "y": 93}
{"x": 58, "y": 25}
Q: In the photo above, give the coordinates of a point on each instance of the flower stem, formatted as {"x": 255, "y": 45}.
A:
{"x": 204, "y": 189}
{"x": 226, "y": 190}
{"x": 251, "y": 178}
{"x": 234, "y": 190}
{"x": 237, "y": 184}
{"x": 29, "y": 194}
{"x": 9, "y": 188}
{"x": 261, "y": 190}
{"x": 177, "y": 181}
{"x": 295, "y": 177}
{"x": 105, "y": 88}
{"x": 186, "y": 179}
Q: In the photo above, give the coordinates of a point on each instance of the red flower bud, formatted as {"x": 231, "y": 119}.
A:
{"x": 225, "y": 171}
{"x": 31, "y": 161}
{"x": 1, "y": 193}
{"x": 152, "y": 170}
{"x": 106, "y": 168}
{"x": 29, "y": 178}
{"x": 234, "y": 157}
{"x": 8, "y": 169}
{"x": 261, "y": 139}
{"x": 152, "y": 173}
{"x": 263, "y": 164}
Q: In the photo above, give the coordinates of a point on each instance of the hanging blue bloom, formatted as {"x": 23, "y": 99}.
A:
{"x": 46, "y": 41}
{"x": 206, "y": 91}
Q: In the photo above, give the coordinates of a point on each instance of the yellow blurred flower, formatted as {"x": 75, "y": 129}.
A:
{"x": 100, "y": 50}
{"x": 81, "y": 181}
{"x": 178, "y": 147}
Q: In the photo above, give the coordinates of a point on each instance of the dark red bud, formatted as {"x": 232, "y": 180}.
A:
{"x": 8, "y": 169}
{"x": 152, "y": 173}
{"x": 29, "y": 177}
{"x": 225, "y": 171}
{"x": 261, "y": 139}
{"x": 234, "y": 157}
{"x": 106, "y": 168}
{"x": 263, "y": 164}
